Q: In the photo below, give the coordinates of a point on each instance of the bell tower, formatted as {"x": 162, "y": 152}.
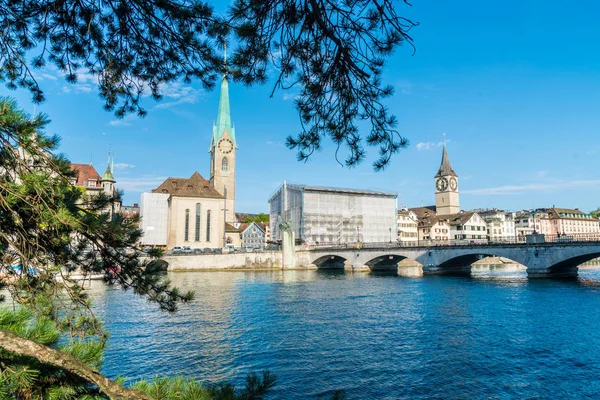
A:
{"x": 446, "y": 187}
{"x": 223, "y": 147}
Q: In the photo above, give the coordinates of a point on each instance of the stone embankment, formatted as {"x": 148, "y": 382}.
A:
{"x": 237, "y": 261}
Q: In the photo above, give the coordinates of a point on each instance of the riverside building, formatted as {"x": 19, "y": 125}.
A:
{"x": 194, "y": 211}
{"x": 328, "y": 215}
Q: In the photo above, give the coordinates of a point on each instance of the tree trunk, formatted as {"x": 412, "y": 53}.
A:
{"x": 23, "y": 347}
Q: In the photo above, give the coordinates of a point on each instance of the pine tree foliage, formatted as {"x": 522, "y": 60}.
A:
{"x": 48, "y": 229}
{"x": 331, "y": 52}
{"x": 27, "y": 378}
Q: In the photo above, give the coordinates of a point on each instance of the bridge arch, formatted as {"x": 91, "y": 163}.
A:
{"x": 569, "y": 266}
{"x": 330, "y": 261}
{"x": 389, "y": 261}
{"x": 463, "y": 261}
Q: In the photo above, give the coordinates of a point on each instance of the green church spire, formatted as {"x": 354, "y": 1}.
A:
{"x": 223, "y": 123}
{"x": 108, "y": 174}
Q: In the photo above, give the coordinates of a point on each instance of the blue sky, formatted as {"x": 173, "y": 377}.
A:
{"x": 515, "y": 85}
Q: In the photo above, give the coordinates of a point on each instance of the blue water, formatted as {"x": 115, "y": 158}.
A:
{"x": 374, "y": 336}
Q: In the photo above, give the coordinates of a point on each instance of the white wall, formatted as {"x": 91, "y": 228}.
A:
{"x": 154, "y": 213}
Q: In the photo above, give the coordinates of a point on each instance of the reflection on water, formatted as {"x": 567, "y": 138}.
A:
{"x": 375, "y": 335}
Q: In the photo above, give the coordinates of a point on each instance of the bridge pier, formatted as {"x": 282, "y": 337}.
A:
{"x": 360, "y": 268}
{"x": 567, "y": 272}
{"x": 446, "y": 270}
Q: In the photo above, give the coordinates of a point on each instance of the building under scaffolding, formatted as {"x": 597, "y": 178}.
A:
{"x": 334, "y": 215}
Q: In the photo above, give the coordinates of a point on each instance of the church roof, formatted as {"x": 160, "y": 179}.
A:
{"x": 445, "y": 167}
{"x": 224, "y": 123}
{"x": 194, "y": 186}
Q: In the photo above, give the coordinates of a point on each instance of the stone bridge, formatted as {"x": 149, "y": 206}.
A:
{"x": 540, "y": 259}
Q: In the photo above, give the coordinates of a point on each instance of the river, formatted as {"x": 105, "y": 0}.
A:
{"x": 376, "y": 336}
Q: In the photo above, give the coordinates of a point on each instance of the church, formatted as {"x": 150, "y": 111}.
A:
{"x": 445, "y": 220}
{"x": 197, "y": 212}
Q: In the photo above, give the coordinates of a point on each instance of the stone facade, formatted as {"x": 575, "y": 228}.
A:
{"x": 195, "y": 222}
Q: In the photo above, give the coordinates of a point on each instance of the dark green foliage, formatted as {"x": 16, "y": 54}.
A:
{"x": 332, "y": 52}
{"x": 262, "y": 217}
{"x": 25, "y": 377}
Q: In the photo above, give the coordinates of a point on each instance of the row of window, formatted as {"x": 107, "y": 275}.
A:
{"x": 197, "y": 227}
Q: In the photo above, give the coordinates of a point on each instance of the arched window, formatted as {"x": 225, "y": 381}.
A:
{"x": 208, "y": 226}
{"x": 187, "y": 225}
{"x": 197, "y": 236}
{"x": 225, "y": 164}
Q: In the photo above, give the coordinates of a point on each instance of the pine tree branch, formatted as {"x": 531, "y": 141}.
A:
{"x": 46, "y": 355}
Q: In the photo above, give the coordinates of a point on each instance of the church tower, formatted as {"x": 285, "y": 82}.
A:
{"x": 446, "y": 188}
{"x": 223, "y": 147}
{"x": 108, "y": 179}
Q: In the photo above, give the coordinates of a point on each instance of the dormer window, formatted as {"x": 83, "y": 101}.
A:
{"x": 174, "y": 183}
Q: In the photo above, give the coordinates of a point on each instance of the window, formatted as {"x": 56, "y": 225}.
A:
{"x": 187, "y": 224}
{"x": 208, "y": 226}
{"x": 197, "y": 236}
{"x": 224, "y": 164}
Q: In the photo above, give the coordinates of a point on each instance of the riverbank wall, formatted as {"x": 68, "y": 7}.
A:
{"x": 196, "y": 262}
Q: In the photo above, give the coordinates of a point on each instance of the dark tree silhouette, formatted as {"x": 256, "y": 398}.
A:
{"x": 332, "y": 51}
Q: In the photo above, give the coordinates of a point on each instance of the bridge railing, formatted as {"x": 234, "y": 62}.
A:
{"x": 510, "y": 240}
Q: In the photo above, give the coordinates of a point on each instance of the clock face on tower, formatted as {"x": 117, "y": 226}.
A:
{"x": 441, "y": 184}
{"x": 453, "y": 184}
{"x": 226, "y": 146}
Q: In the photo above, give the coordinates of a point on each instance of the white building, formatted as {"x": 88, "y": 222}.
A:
{"x": 407, "y": 226}
{"x": 334, "y": 215}
{"x": 467, "y": 225}
{"x": 154, "y": 213}
{"x": 501, "y": 224}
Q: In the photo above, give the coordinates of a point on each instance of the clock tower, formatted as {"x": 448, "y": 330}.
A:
{"x": 446, "y": 188}
{"x": 223, "y": 147}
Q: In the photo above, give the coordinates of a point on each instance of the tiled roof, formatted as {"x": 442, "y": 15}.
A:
{"x": 424, "y": 212}
{"x": 194, "y": 186}
{"x": 231, "y": 228}
{"x": 554, "y": 213}
{"x": 458, "y": 219}
{"x": 85, "y": 172}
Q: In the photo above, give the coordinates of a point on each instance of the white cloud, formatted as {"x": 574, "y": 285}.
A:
{"x": 123, "y": 166}
{"x": 125, "y": 121}
{"x": 178, "y": 93}
{"x": 429, "y": 145}
{"x": 546, "y": 187}
{"x": 140, "y": 184}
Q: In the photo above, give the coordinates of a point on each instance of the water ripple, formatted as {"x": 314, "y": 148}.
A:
{"x": 375, "y": 336}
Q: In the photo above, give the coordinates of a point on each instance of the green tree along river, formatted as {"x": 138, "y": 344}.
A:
{"x": 372, "y": 335}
